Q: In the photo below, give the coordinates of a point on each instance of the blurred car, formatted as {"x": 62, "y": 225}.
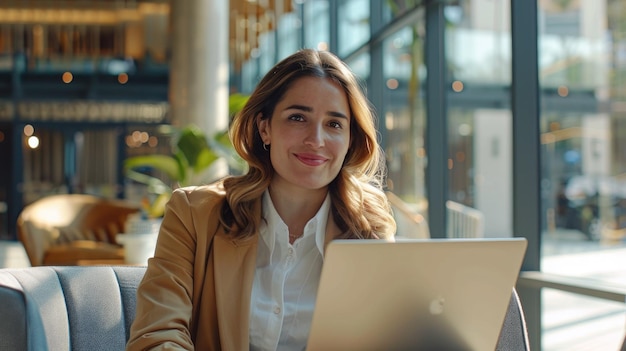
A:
{"x": 591, "y": 203}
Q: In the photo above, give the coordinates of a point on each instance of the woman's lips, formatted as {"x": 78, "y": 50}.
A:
{"x": 311, "y": 160}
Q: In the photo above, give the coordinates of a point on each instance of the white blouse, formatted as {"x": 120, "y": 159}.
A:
{"x": 286, "y": 280}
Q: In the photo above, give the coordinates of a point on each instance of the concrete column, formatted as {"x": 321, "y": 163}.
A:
{"x": 198, "y": 88}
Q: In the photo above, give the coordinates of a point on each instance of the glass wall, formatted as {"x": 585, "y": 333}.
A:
{"x": 289, "y": 33}
{"x": 393, "y": 9}
{"x": 582, "y": 66}
{"x": 582, "y": 77}
{"x": 316, "y": 24}
{"x": 479, "y": 115}
{"x": 353, "y": 26}
{"x": 403, "y": 113}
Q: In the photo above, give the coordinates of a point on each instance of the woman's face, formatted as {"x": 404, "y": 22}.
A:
{"x": 308, "y": 134}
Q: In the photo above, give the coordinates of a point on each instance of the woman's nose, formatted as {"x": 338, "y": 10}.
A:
{"x": 315, "y": 136}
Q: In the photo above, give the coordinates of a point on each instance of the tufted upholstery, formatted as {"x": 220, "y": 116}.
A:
{"x": 91, "y": 308}
{"x": 67, "y": 308}
{"x": 68, "y": 229}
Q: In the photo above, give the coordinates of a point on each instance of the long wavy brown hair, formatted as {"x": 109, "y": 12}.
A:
{"x": 359, "y": 205}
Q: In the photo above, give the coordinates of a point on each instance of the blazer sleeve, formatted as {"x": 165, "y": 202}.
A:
{"x": 164, "y": 296}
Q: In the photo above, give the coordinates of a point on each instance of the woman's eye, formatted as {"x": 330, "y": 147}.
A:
{"x": 335, "y": 124}
{"x": 296, "y": 118}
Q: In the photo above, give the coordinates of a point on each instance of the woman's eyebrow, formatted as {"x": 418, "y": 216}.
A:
{"x": 300, "y": 107}
{"x": 310, "y": 109}
{"x": 337, "y": 114}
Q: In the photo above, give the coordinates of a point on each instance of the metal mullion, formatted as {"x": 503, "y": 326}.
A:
{"x": 526, "y": 152}
{"x": 436, "y": 120}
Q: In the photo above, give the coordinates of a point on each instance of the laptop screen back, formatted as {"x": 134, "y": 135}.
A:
{"x": 426, "y": 294}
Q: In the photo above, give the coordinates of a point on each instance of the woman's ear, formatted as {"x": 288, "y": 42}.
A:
{"x": 263, "y": 125}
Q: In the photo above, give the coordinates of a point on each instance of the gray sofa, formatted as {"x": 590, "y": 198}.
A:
{"x": 67, "y": 308}
{"x": 91, "y": 308}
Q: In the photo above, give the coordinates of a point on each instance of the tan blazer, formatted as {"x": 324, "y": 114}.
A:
{"x": 196, "y": 290}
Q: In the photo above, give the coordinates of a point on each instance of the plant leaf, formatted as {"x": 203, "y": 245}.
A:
{"x": 206, "y": 157}
{"x": 158, "y": 206}
{"x": 236, "y": 102}
{"x": 182, "y": 165}
{"x": 191, "y": 143}
{"x": 223, "y": 146}
{"x": 155, "y": 185}
{"x": 164, "y": 163}
{"x": 223, "y": 139}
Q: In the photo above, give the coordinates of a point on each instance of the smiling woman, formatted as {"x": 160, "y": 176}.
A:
{"x": 308, "y": 137}
{"x": 315, "y": 173}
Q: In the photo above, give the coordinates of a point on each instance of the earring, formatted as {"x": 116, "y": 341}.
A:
{"x": 265, "y": 147}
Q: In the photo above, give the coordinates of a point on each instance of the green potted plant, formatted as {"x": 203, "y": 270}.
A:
{"x": 191, "y": 161}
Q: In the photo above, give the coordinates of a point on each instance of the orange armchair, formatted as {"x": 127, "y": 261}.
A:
{"x": 73, "y": 229}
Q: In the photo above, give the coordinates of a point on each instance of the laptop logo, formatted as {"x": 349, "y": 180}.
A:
{"x": 436, "y": 305}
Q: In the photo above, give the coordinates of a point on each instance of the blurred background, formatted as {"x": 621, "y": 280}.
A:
{"x": 514, "y": 108}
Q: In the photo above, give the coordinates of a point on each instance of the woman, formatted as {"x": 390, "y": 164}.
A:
{"x": 237, "y": 262}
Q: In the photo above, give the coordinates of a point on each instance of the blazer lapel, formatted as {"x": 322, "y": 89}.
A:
{"x": 234, "y": 266}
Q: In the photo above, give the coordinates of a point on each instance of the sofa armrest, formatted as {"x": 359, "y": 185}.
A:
{"x": 42, "y": 304}
{"x": 63, "y": 308}
{"x": 13, "y": 321}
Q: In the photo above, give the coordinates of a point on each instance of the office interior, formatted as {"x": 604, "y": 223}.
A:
{"x": 513, "y": 108}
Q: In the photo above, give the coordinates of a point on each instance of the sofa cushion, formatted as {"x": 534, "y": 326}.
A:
{"x": 94, "y": 308}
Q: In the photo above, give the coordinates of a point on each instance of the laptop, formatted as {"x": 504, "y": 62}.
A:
{"x": 415, "y": 294}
